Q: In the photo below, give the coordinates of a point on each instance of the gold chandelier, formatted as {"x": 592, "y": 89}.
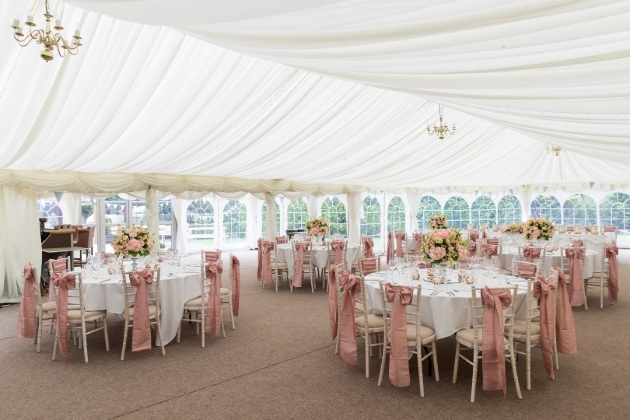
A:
{"x": 47, "y": 37}
{"x": 442, "y": 129}
{"x": 555, "y": 149}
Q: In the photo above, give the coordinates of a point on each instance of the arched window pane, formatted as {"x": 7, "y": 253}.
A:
{"x": 51, "y": 211}
{"x": 115, "y": 214}
{"x": 547, "y": 206}
{"x": 200, "y": 219}
{"x": 428, "y": 207}
{"x": 334, "y": 212}
{"x": 614, "y": 210}
{"x": 235, "y": 222}
{"x": 371, "y": 221}
{"x": 264, "y": 218}
{"x": 396, "y": 215}
{"x": 580, "y": 209}
{"x": 510, "y": 210}
{"x": 139, "y": 213}
{"x": 483, "y": 211}
{"x": 457, "y": 212}
{"x": 297, "y": 214}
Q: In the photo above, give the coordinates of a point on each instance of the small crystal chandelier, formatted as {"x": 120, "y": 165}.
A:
{"x": 442, "y": 129}
{"x": 47, "y": 37}
{"x": 555, "y": 149}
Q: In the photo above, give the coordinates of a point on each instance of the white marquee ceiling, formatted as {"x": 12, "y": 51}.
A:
{"x": 147, "y": 105}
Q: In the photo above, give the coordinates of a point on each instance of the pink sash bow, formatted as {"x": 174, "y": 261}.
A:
{"x": 211, "y": 256}
{"x": 369, "y": 265}
{"x": 259, "y": 272}
{"x": 489, "y": 250}
{"x": 390, "y": 248}
{"x": 236, "y": 284}
{"x": 472, "y": 247}
{"x": 368, "y": 245}
{"x": 543, "y": 291}
{"x": 576, "y": 278}
{"x": 398, "y": 362}
{"x": 531, "y": 252}
{"x": 565, "y": 323}
{"x": 493, "y": 347}
{"x": 609, "y": 228}
{"x": 300, "y": 247}
{"x": 347, "y": 339}
{"x": 141, "y": 339}
{"x": 400, "y": 237}
{"x": 267, "y": 277}
{"x": 27, "y": 316}
{"x": 338, "y": 247}
{"x": 418, "y": 237}
{"x": 332, "y": 301}
{"x": 63, "y": 281}
{"x": 613, "y": 271}
{"x": 525, "y": 271}
{"x": 213, "y": 304}
{"x": 473, "y": 235}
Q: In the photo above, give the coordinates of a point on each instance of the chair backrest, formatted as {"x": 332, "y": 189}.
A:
{"x": 477, "y": 309}
{"x": 281, "y": 239}
{"x": 331, "y": 253}
{"x": 75, "y": 295}
{"x": 213, "y": 256}
{"x": 413, "y": 310}
{"x": 609, "y": 229}
{"x": 308, "y": 254}
{"x": 376, "y": 261}
{"x": 565, "y": 263}
{"x": 57, "y": 266}
{"x": 153, "y": 290}
{"x": 519, "y": 268}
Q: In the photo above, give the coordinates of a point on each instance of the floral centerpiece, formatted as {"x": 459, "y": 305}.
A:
{"x": 135, "y": 241}
{"x": 514, "y": 228}
{"x": 317, "y": 226}
{"x": 438, "y": 221}
{"x": 443, "y": 246}
{"x": 538, "y": 228}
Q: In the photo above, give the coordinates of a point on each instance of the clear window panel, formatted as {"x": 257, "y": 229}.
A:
{"x": 50, "y": 210}
{"x": 483, "y": 212}
{"x": 371, "y": 221}
{"x": 139, "y": 213}
{"x": 510, "y": 210}
{"x": 457, "y": 212}
{"x": 264, "y": 218}
{"x": 396, "y": 215}
{"x": 235, "y": 222}
{"x": 547, "y": 206}
{"x": 89, "y": 217}
{"x": 297, "y": 214}
{"x": 115, "y": 218}
{"x": 614, "y": 210}
{"x": 200, "y": 230}
{"x": 165, "y": 216}
{"x": 429, "y": 206}
{"x": 580, "y": 209}
{"x": 334, "y": 212}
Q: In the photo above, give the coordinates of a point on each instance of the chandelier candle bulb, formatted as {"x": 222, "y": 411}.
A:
{"x": 30, "y": 21}
{"x": 16, "y": 24}
{"x": 77, "y": 34}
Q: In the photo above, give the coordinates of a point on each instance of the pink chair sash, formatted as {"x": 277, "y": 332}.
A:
{"x": 236, "y": 284}
{"x": 369, "y": 266}
{"x": 141, "y": 324}
{"x": 543, "y": 291}
{"x": 489, "y": 250}
{"x": 613, "y": 271}
{"x": 418, "y": 237}
{"x": 576, "y": 277}
{"x": 211, "y": 256}
{"x": 473, "y": 235}
{"x": 368, "y": 245}
{"x": 347, "y": 339}
{"x": 566, "y": 340}
{"x": 390, "y": 248}
{"x": 577, "y": 242}
{"x": 213, "y": 304}
{"x": 525, "y": 271}
{"x": 27, "y": 317}
{"x": 332, "y": 301}
{"x": 338, "y": 247}
{"x": 609, "y": 229}
{"x": 531, "y": 252}
{"x": 398, "y": 362}
{"x": 259, "y": 272}
{"x": 281, "y": 239}
{"x": 493, "y": 348}
{"x": 267, "y": 277}
{"x": 299, "y": 263}
{"x": 472, "y": 247}
{"x": 63, "y": 281}
{"x": 400, "y": 237}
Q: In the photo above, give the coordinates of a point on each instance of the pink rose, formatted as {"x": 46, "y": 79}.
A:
{"x": 314, "y": 231}
{"x": 437, "y": 253}
{"x": 325, "y": 230}
{"x": 128, "y": 231}
{"x": 536, "y": 234}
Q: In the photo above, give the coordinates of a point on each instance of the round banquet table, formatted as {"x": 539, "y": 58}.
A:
{"x": 443, "y": 313}
{"x": 320, "y": 256}
{"x": 106, "y": 293}
{"x": 591, "y": 262}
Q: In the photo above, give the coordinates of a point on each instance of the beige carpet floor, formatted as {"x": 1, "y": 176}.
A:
{"x": 279, "y": 363}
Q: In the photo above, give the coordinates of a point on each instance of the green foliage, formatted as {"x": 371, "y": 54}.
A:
{"x": 429, "y": 206}
{"x": 235, "y": 220}
{"x": 580, "y": 209}
{"x": 297, "y": 214}
{"x": 334, "y": 212}
{"x": 614, "y": 210}
{"x": 483, "y": 211}
{"x": 510, "y": 210}
{"x": 396, "y": 215}
{"x": 457, "y": 212}
{"x": 371, "y": 221}
{"x": 547, "y": 206}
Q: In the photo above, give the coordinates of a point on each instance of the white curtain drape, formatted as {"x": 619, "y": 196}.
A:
{"x": 271, "y": 229}
{"x": 355, "y": 205}
{"x": 312, "y": 206}
{"x": 153, "y": 224}
{"x": 526, "y": 201}
{"x": 20, "y": 242}
{"x": 70, "y": 206}
{"x": 179, "y": 208}
{"x": 413, "y": 202}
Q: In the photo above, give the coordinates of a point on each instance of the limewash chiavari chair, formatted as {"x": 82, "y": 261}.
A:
{"x": 78, "y": 317}
{"x": 418, "y": 336}
{"x": 45, "y": 311}
{"x": 599, "y": 278}
{"x": 523, "y": 269}
{"x": 565, "y": 265}
{"x": 307, "y": 266}
{"x": 54, "y": 267}
{"x": 330, "y": 261}
{"x": 226, "y": 292}
{"x": 528, "y": 331}
{"x": 198, "y": 307}
{"x": 153, "y": 298}
{"x": 361, "y": 254}
{"x": 471, "y": 339}
{"x": 540, "y": 259}
{"x": 278, "y": 267}
{"x": 362, "y": 268}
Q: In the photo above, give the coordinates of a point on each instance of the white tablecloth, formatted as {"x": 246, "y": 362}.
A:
{"x": 591, "y": 262}
{"x": 175, "y": 291}
{"x": 443, "y": 313}
{"x": 320, "y": 255}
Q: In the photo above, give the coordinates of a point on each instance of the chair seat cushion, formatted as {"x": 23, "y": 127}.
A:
{"x": 280, "y": 265}
{"x": 224, "y": 291}
{"x": 425, "y": 332}
{"x": 520, "y": 328}
{"x": 152, "y": 311}
{"x": 76, "y": 314}
{"x": 468, "y": 337}
{"x": 374, "y": 321}
{"x": 49, "y": 306}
